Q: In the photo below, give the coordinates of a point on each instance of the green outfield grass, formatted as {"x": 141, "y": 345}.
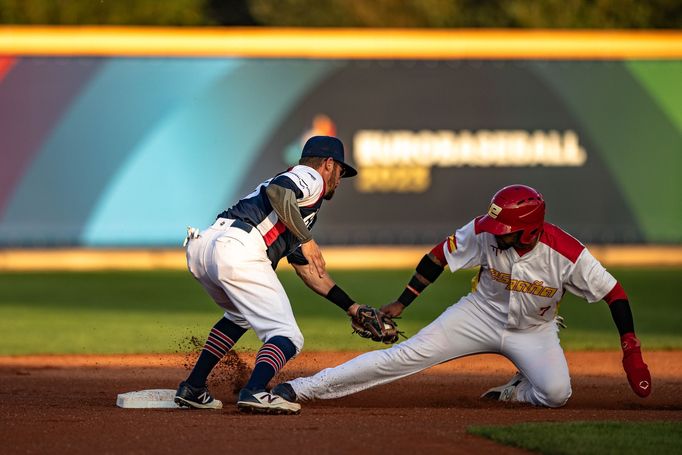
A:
{"x": 136, "y": 312}
{"x": 588, "y": 438}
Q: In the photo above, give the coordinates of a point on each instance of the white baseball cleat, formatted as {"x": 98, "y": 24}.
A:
{"x": 506, "y": 392}
{"x": 265, "y": 403}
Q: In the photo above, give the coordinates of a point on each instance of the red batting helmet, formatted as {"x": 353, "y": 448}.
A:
{"x": 515, "y": 208}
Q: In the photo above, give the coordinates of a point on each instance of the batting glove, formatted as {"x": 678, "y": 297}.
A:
{"x": 636, "y": 370}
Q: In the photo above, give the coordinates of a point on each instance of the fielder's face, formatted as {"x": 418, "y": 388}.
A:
{"x": 333, "y": 180}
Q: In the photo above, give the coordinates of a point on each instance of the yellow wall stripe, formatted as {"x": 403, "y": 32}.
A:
{"x": 340, "y": 43}
{"x": 337, "y": 258}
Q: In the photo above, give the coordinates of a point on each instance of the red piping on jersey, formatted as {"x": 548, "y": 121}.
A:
{"x": 561, "y": 242}
{"x": 273, "y": 233}
{"x": 438, "y": 252}
{"x": 617, "y": 293}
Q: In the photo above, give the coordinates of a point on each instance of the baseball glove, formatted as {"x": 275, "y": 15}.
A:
{"x": 371, "y": 323}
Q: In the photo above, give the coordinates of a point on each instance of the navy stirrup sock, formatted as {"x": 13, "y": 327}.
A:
{"x": 222, "y": 337}
{"x": 270, "y": 359}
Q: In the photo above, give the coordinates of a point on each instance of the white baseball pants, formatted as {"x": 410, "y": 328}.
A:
{"x": 233, "y": 267}
{"x": 463, "y": 329}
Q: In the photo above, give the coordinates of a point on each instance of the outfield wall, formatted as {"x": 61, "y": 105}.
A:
{"x": 123, "y": 137}
{"x": 337, "y": 258}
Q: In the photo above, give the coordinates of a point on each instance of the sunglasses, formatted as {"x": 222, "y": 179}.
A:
{"x": 343, "y": 170}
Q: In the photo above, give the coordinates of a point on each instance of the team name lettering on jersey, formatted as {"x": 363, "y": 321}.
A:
{"x": 559, "y": 263}
{"x": 535, "y": 288}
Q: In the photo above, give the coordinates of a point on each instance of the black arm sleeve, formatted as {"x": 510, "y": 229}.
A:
{"x": 622, "y": 316}
{"x": 426, "y": 273}
{"x": 338, "y": 297}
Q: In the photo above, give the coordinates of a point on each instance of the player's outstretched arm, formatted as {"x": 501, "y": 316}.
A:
{"x": 636, "y": 370}
{"x": 428, "y": 270}
{"x": 325, "y": 286}
{"x": 366, "y": 321}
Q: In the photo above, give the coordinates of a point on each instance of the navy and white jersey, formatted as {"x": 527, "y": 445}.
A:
{"x": 255, "y": 209}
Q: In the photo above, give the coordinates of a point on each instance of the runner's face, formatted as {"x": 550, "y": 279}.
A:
{"x": 504, "y": 242}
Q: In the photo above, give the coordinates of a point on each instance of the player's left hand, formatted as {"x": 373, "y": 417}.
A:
{"x": 393, "y": 309}
{"x": 636, "y": 370}
{"x": 368, "y": 322}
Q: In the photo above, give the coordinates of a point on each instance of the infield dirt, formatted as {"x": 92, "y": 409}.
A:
{"x": 66, "y": 404}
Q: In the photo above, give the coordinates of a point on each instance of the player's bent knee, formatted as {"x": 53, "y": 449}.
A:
{"x": 556, "y": 396}
{"x": 293, "y": 334}
{"x": 297, "y": 340}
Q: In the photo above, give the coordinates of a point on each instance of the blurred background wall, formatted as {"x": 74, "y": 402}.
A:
{"x": 121, "y": 150}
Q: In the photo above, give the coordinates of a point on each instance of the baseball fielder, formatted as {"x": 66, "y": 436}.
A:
{"x": 235, "y": 258}
{"x": 526, "y": 266}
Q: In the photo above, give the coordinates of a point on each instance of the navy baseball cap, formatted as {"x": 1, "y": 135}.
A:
{"x": 328, "y": 147}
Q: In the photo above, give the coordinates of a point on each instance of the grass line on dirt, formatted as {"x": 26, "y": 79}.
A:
{"x": 588, "y": 438}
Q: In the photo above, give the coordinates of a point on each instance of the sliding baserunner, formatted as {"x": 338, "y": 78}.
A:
{"x": 526, "y": 266}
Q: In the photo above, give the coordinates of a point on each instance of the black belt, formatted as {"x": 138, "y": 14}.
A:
{"x": 243, "y": 225}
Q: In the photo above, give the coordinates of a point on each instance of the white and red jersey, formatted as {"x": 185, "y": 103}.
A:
{"x": 525, "y": 291}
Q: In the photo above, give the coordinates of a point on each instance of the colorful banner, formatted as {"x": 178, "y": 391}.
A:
{"x": 129, "y": 151}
